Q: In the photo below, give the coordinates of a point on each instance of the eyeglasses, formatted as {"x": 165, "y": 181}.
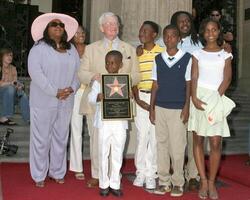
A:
{"x": 55, "y": 24}
{"x": 215, "y": 15}
{"x": 111, "y": 24}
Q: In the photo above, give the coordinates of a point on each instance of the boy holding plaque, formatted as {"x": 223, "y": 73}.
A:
{"x": 111, "y": 134}
{"x": 169, "y": 110}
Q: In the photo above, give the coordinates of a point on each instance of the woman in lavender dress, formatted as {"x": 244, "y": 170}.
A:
{"x": 52, "y": 64}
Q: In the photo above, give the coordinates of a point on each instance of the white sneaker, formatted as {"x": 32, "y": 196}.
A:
{"x": 139, "y": 181}
{"x": 150, "y": 183}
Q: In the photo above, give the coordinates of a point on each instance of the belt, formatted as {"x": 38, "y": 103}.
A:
{"x": 145, "y": 91}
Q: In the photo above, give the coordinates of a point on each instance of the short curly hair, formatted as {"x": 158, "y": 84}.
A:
{"x": 153, "y": 25}
{"x": 115, "y": 53}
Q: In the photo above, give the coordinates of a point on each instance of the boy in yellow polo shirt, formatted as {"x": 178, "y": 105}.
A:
{"x": 145, "y": 156}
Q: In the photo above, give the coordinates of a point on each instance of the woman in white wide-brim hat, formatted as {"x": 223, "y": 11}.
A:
{"x": 52, "y": 66}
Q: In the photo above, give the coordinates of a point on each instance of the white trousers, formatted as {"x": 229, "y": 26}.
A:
{"x": 75, "y": 163}
{"x": 112, "y": 138}
{"x": 93, "y": 146}
{"x": 145, "y": 155}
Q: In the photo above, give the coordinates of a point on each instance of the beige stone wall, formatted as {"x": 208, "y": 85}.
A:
{"x": 97, "y": 8}
{"x": 243, "y": 39}
{"x": 134, "y": 12}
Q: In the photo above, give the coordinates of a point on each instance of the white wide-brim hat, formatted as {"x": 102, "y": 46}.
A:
{"x": 39, "y": 24}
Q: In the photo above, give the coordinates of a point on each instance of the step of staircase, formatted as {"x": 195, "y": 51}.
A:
{"x": 21, "y": 137}
{"x": 239, "y": 123}
{"x": 238, "y": 120}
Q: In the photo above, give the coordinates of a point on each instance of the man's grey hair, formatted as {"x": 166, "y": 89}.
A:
{"x": 103, "y": 18}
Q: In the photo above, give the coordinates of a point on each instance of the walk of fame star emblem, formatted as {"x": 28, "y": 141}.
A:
{"x": 116, "y": 87}
{"x": 116, "y": 103}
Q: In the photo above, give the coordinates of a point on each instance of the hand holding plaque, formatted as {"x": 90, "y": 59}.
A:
{"x": 116, "y": 102}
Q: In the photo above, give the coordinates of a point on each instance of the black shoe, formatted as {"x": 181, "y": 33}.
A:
{"x": 104, "y": 192}
{"x": 117, "y": 193}
{"x": 193, "y": 184}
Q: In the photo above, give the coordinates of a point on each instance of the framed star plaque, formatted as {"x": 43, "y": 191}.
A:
{"x": 116, "y": 103}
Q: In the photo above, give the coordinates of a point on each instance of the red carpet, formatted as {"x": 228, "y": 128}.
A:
{"x": 234, "y": 168}
{"x": 18, "y": 185}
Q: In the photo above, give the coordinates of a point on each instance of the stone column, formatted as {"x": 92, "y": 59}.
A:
{"x": 134, "y": 12}
{"x": 243, "y": 45}
{"x": 240, "y": 28}
{"x": 97, "y": 8}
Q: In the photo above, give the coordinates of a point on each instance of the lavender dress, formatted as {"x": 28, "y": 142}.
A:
{"x": 50, "y": 117}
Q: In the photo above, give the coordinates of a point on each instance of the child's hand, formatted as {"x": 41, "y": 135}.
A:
{"x": 152, "y": 116}
{"x": 99, "y": 97}
{"x": 185, "y": 115}
{"x": 96, "y": 77}
{"x": 198, "y": 103}
{"x": 139, "y": 50}
{"x": 131, "y": 95}
{"x": 227, "y": 47}
{"x": 143, "y": 104}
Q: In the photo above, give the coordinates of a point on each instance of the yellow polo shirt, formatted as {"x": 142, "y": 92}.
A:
{"x": 146, "y": 61}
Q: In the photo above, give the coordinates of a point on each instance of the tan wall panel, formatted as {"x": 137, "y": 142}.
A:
{"x": 98, "y": 7}
{"x": 134, "y": 12}
{"x": 243, "y": 46}
{"x": 246, "y": 43}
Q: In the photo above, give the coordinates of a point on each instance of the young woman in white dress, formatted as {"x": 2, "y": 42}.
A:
{"x": 211, "y": 76}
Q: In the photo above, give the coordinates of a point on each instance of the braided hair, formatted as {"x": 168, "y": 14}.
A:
{"x": 193, "y": 33}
